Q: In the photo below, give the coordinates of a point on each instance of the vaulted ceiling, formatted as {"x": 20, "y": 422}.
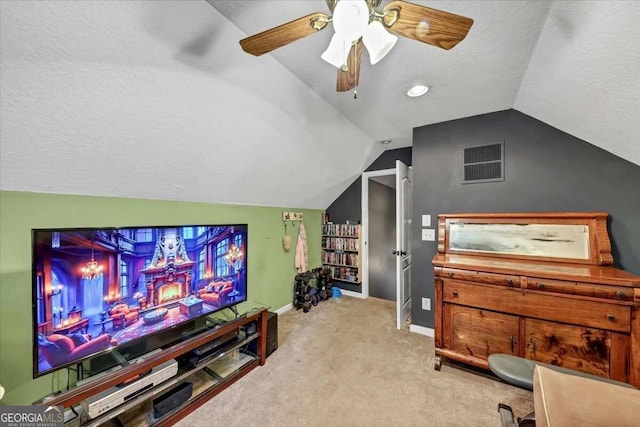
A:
{"x": 157, "y": 99}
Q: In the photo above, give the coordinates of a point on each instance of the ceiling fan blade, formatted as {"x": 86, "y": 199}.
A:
{"x": 350, "y": 79}
{"x": 421, "y": 23}
{"x": 284, "y": 34}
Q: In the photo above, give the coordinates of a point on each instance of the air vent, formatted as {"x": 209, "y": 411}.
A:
{"x": 483, "y": 164}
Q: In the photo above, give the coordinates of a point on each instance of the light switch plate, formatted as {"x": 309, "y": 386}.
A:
{"x": 426, "y": 304}
{"x": 426, "y": 220}
{"x": 429, "y": 234}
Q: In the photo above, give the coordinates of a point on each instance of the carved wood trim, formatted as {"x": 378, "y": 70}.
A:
{"x": 634, "y": 363}
{"x": 438, "y": 310}
{"x": 442, "y": 234}
{"x": 599, "y": 243}
{"x": 619, "y": 356}
{"x": 603, "y": 244}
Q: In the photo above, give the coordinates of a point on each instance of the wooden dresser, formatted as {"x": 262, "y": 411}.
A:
{"x": 536, "y": 285}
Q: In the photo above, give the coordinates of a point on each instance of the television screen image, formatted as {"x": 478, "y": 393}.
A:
{"x": 95, "y": 290}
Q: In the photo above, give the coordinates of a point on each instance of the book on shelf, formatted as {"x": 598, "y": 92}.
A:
{"x": 342, "y": 230}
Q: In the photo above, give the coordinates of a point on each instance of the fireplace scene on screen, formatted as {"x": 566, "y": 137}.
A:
{"x": 98, "y": 289}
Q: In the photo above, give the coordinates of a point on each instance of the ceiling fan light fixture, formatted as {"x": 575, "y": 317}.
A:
{"x": 350, "y": 19}
{"x": 378, "y": 41}
{"x": 417, "y": 90}
{"x": 337, "y": 52}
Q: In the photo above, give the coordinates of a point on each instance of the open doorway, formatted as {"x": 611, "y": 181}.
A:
{"x": 381, "y": 236}
{"x": 386, "y": 255}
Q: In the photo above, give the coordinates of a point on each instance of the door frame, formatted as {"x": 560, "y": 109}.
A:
{"x": 365, "y": 227}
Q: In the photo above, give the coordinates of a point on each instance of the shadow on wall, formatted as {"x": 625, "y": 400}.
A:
{"x": 349, "y": 204}
{"x": 190, "y": 28}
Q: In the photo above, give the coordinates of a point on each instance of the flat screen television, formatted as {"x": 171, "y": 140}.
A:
{"x": 100, "y": 289}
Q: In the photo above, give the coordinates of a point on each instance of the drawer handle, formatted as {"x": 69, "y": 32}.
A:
{"x": 533, "y": 346}
{"x": 611, "y": 317}
{"x": 450, "y": 275}
{"x": 455, "y": 294}
{"x": 513, "y": 343}
{"x": 620, "y": 294}
{"x": 510, "y": 281}
{"x": 540, "y": 285}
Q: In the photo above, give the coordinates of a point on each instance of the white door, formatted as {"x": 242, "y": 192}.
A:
{"x": 403, "y": 242}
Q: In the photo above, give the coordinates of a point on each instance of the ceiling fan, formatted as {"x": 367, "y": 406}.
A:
{"x": 363, "y": 22}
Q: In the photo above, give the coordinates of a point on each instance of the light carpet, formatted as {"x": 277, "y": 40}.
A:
{"x": 345, "y": 364}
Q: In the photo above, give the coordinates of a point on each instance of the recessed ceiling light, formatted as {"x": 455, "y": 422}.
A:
{"x": 417, "y": 90}
{"x": 385, "y": 142}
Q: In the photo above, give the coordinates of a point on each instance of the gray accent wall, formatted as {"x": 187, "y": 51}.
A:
{"x": 382, "y": 236}
{"x": 546, "y": 170}
{"x": 349, "y": 204}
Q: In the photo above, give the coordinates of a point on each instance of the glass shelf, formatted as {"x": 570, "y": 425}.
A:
{"x": 244, "y": 309}
{"x": 229, "y": 364}
{"x": 131, "y": 413}
{"x": 203, "y": 379}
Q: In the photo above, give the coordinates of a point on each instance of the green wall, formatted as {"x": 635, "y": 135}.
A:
{"x": 270, "y": 269}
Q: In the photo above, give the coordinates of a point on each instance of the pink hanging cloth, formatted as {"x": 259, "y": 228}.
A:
{"x": 302, "y": 255}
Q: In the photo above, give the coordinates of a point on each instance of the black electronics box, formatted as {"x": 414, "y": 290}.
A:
{"x": 210, "y": 349}
{"x": 172, "y": 399}
{"x": 272, "y": 335}
{"x": 216, "y": 343}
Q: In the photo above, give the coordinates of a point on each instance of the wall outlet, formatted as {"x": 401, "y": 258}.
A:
{"x": 429, "y": 234}
{"x": 426, "y": 304}
{"x": 426, "y": 220}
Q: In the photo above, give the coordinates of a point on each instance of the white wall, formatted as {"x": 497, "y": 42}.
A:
{"x": 584, "y": 75}
{"x": 157, "y": 100}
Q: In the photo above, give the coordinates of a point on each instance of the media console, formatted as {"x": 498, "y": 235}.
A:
{"x": 173, "y": 382}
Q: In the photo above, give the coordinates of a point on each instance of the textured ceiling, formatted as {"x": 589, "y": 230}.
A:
{"x": 481, "y": 74}
{"x": 157, "y": 99}
{"x": 584, "y": 76}
{"x": 581, "y": 60}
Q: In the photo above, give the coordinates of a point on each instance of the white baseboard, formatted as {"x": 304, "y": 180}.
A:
{"x": 284, "y": 309}
{"x": 422, "y": 330}
{"x": 352, "y": 294}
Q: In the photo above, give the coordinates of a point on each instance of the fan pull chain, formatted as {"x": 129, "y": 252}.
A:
{"x": 355, "y": 94}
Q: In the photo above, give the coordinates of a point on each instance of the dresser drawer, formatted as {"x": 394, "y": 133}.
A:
{"x": 481, "y": 277}
{"x": 523, "y": 302}
{"x": 478, "y": 333}
{"x": 574, "y": 347}
{"x": 619, "y": 293}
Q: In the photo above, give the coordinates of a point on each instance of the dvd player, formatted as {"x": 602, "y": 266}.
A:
{"x": 102, "y": 402}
